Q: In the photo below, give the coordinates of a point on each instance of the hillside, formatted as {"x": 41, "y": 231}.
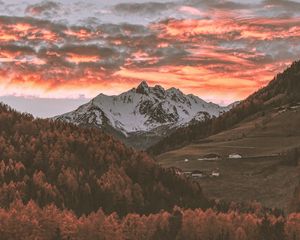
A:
{"x": 143, "y": 115}
{"x": 83, "y": 169}
{"x": 59, "y": 181}
{"x": 263, "y": 130}
{"x": 266, "y": 171}
{"x": 283, "y": 89}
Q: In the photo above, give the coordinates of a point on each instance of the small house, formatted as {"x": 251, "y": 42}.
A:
{"x": 215, "y": 174}
{"x": 234, "y": 155}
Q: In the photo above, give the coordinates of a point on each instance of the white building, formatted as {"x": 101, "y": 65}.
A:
{"x": 234, "y": 155}
{"x": 215, "y": 174}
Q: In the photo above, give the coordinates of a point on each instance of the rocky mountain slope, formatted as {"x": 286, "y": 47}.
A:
{"x": 144, "y": 114}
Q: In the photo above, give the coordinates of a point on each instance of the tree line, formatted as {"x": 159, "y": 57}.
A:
{"x": 31, "y": 222}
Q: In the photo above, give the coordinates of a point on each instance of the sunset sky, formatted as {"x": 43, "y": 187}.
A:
{"x": 55, "y": 55}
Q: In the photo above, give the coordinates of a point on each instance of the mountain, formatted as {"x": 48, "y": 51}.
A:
{"x": 144, "y": 114}
{"x": 283, "y": 90}
{"x": 83, "y": 169}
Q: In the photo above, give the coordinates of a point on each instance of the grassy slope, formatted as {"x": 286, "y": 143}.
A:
{"x": 261, "y": 179}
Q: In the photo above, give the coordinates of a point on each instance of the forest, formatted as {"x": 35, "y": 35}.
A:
{"x": 62, "y": 182}
{"x": 30, "y": 222}
{"x": 83, "y": 169}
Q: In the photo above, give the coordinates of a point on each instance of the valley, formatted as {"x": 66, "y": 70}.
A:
{"x": 260, "y": 173}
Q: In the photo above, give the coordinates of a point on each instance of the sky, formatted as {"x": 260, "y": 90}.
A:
{"x": 56, "y": 55}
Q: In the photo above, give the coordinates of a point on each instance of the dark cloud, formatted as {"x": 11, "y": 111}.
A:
{"x": 143, "y": 8}
{"x": 15, "y": 20}
{"x": 17, "y": 48}
{"x": 82, "y": 56}
{"x": 124, "y": 29}
{"x": 90, "y": 21}
{"x": 44, "y": 7}
{"x": 219, "y": 4}
{"x": 286, "y": 4}
{"x": 171, "y": 55}
{"x": 231, "y": 5}
{"x": 88, "y": 50}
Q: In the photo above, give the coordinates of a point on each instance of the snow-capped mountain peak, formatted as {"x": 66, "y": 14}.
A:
{"x": 143, "y": 88}
{"x": 143, "y": 109}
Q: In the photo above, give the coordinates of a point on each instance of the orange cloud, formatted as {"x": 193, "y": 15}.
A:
{"x": 81, "y": 34}
{"x": 217, "y": 53}
{"x": 141, "y": 56}
{"x": 7, "y": 36}
{"x": 89, "y": 84}
{"x": 259, "y": 29}
{"x": 77, "y": 58}
{"x": 25, "y": 31}
{"x": 8, "y": 55}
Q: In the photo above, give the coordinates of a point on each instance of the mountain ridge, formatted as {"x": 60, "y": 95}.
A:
{"x": 144, "y": 110}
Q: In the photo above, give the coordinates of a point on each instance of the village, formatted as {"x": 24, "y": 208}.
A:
{"x": 208, "y": 172}
{"x": 210, "y": 165}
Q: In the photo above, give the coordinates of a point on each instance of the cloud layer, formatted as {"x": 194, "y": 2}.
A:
{"x": 220, "y": 50}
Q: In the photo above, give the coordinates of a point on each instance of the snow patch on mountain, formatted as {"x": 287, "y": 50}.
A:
{"x": 143, "y": 109}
